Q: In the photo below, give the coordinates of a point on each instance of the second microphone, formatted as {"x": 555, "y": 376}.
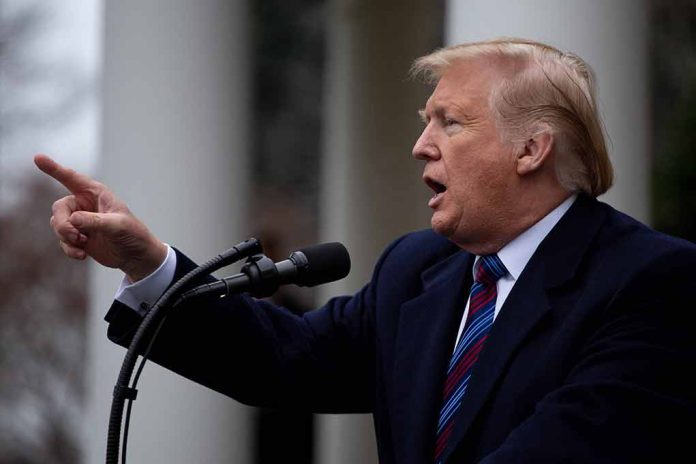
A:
{"x": 261, "y": 277}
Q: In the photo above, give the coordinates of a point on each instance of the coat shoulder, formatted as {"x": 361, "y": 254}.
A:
{"x": 416, "y": 251}
{"x": 632, "y": 240}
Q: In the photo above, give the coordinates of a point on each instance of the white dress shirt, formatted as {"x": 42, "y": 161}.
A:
{"x": 517, "y": 253}
{"x": 149, "y": 289}
{"x": 515, "y": 256}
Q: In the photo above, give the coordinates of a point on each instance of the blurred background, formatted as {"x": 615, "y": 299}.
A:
{"x": 289, "y": 120}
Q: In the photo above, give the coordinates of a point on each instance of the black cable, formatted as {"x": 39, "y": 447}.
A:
{"x": 143, "y": 360}
{"x": 124, "y": 446}
{"x": 122, "y": 391}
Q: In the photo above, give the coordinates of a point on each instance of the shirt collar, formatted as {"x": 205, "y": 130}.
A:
{"x": 517, "y": 253}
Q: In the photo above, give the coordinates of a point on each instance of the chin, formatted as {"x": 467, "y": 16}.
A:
{"x": 441, "y": 225}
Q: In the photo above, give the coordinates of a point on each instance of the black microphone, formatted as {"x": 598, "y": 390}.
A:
{"x": 261, "y": 277}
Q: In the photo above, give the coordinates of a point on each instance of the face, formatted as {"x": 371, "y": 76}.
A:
{"x": 471, "y": 172}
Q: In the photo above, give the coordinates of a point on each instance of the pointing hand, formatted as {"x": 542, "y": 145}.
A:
{"x": 93, "y": 222}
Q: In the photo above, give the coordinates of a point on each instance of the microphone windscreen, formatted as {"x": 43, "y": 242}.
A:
{"x": 326, "y": 262}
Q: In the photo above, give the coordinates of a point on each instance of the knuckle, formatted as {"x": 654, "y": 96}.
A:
{"x": 63, "y": 227}
{"x": 70, "y": 251}
{"x": 61, "y": 204}
{"x": 120, "y": 222}
{"x": 96, "y": 188}
{"x": 65, "y": 232}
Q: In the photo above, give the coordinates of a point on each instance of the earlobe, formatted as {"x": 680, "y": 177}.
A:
{"x": 535, "y": 152}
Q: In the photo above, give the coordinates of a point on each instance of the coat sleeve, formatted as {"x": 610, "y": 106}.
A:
{"x": 630, "y": 395}
{"x": 264, "y": 355}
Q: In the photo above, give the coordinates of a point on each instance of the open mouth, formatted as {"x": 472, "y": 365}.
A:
{"x": 435, "y": 186}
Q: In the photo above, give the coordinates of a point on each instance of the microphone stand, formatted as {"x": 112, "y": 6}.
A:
{"x": 122, "y": 390}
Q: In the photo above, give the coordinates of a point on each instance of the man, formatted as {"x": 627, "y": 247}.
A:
{"x": 535, "y": 325}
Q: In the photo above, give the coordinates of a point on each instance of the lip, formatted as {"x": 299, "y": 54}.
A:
{"x": 439, "y": 190}
{"x": 436, "y": 199}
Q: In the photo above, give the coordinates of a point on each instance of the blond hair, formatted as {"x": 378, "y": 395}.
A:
{"x": 548, "y": 90}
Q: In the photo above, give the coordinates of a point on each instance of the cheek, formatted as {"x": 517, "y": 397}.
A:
{"x": 496, "y": 163}
{"x": 479, "y": 180}
{"x": 469, "y": 177}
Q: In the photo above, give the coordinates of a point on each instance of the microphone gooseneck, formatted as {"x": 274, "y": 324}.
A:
{"x": 122, "y": 391}
{"x": 261, "y": 277}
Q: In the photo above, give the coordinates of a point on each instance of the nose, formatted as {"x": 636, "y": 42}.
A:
{"x": 425, "y": 148}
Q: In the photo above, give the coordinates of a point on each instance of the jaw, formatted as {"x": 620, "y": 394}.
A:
{"x": 443, "y": 222}
{"x": 476, "y": 235}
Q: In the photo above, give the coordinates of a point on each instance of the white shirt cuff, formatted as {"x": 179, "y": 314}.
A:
{"x": 145, "y": 292}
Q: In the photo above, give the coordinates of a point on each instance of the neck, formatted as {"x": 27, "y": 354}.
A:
{"x": 526, "y": 211}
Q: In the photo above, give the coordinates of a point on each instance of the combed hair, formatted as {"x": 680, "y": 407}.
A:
{"x": 549, "y": 90}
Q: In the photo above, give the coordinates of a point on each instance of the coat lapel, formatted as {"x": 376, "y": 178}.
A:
{"x": 427, "y": 328}
{"x": 553, "y": 264}
{"x": 511, "y": 327}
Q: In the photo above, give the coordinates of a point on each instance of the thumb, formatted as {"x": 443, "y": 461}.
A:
{"x": 85, "y": 221}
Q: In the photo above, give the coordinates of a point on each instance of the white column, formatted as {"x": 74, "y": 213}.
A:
{"x": 174, "y": 140}
{"x": 371, "y": 188}
{"x": 612, "y": 37}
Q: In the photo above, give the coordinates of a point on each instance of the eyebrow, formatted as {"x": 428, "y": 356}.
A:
{"x": 441, "y": 111}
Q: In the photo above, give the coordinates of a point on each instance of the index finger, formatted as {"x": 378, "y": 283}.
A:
{"x": 71, "y": 179}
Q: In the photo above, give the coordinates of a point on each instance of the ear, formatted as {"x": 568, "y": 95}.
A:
{"x": 536, "y": 151}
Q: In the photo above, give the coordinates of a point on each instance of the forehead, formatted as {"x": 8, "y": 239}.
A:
{"x": 466, "y": 83}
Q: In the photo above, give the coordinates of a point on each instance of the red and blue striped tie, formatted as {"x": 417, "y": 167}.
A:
{"x": 478, "y": 323}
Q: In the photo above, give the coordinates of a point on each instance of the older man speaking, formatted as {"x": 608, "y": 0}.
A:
{"x": 532, "y": 324}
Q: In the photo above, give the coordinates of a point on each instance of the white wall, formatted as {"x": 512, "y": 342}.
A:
{"x": 174, "y": 147}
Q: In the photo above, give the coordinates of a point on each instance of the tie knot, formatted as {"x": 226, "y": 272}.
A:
{"x": 490, "y": 269}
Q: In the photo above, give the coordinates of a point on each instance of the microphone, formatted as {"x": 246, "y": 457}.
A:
{"x": 261, "y": 277}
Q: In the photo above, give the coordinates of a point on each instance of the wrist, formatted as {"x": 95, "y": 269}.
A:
{"x": 147, "y": 263}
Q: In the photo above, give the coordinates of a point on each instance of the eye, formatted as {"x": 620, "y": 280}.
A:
{"x": 449, "y": 122}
